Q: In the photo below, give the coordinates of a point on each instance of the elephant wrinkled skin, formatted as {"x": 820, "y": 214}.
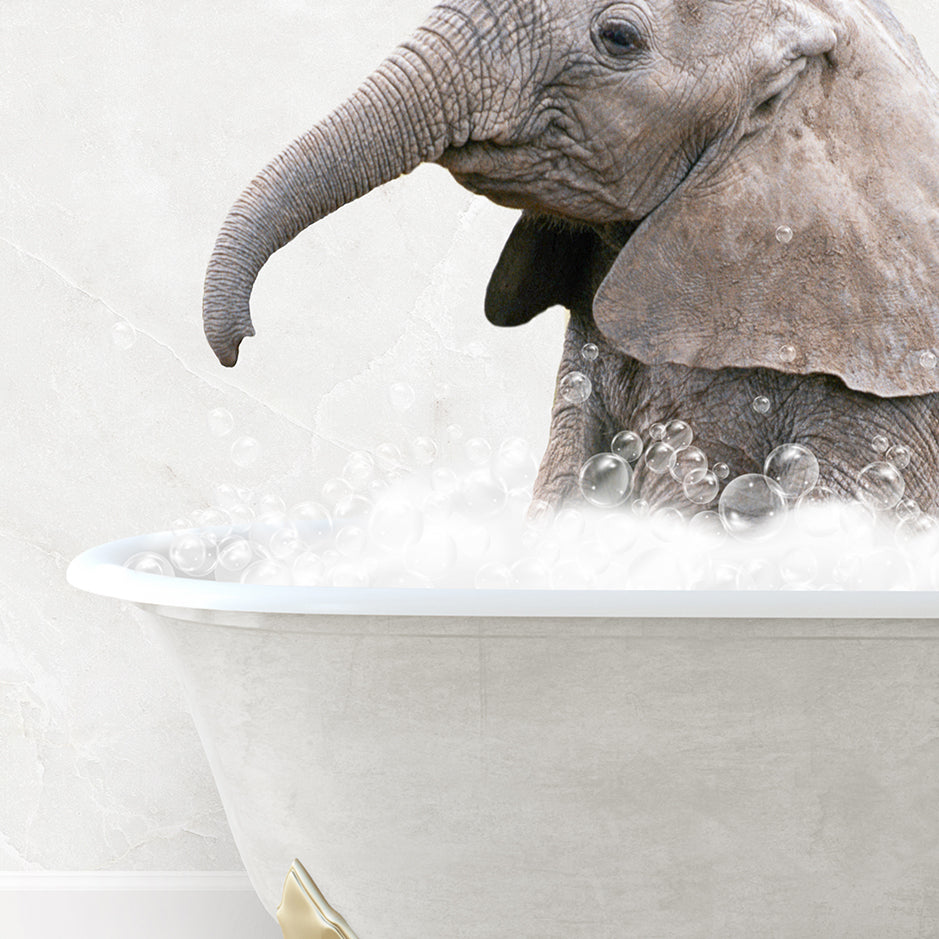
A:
{"x": 655, "y": 147}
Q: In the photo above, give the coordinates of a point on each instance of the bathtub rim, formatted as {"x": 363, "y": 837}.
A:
{"x": 100, "y": 571}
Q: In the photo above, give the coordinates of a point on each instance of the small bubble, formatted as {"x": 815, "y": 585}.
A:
{"x": 660, "y": 457}
{"x": 453, "y": 433}
{"x": 657, "y": 431}
{"x": 235, "y": 554}
{"x": 221, "y": 423}
{"x": 678, "y": 435}
{"x": 483, "y": 496}
{"x": 590, "y": 351}
{"x": 359, "y": 469}
{"x": 787, "y": 354}
{"x": 605, "y": 480}
{"x": 879, "y": 444}
{"x": 266, "y": 572}
{"x": 880, "y": 485}
{"x": 424, "y": 450}
{"x": 395, "y": 524}
{"x": 192, "y": 554}
{"x": 575, "y": 387}
{"x": 513, "y": 464}
{"x": 628, "y": 445}
{"x": 401, "y": 396}
{"x": 335, "y": 490}
{"x": 388, "y": 457}
{"x": 721, "y": 470}
{"x": 353, "y": 509}
{"x": 907, "y": 508}
{"x": 478, "y": 450}
{"x": 245, "y": 451}
{"x": 700, "y": 486}
{"x": 691, "y": 458}
{"x": 927, "y": 359}
{"x": 351, "y": 540}
{"x": 149, "y": 562}
{"x": 123, "y": 335}
{"x": 641, "y": 508}
{"x": 493, "y": 576}
{"x": 308, "y": 569}
{"x": 793, "y": 468}
{"x": 761, "y": 404}
{"x": 899, "y": 456}
{"x": 784, "y": 234}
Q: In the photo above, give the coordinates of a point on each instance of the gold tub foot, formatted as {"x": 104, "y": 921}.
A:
{"x": 304, "y": 913}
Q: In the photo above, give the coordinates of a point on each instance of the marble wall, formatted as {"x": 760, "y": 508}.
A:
{"x": 128, "y": 130}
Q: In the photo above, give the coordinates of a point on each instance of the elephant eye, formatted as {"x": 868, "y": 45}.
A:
{"x": 619, "y": 38}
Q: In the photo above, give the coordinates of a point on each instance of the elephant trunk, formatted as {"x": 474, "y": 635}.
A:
{"x": 412, "y": 108}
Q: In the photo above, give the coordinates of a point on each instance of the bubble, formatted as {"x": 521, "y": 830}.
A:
{"x": 286, "y": 543}
{"x": 575, "y": 387}
{"x": 589, "y": 351}
{"x": 493, "y": 576}
{"x": 453, "y": 433}
{"x": 540, "y": 515}
{"x": 513, "y": 464}
{"x": 761, "y": 404}
{"x": 191, "y": 554}
{"x": 359, "y": 469}
{"x": 353, "y": 509}
{"x": 395, "y": 524}
{"x": 660, "y": 457}
{"x": 235, "y": 554}
{"x": 668, "y": 524}
{"x": 798, "y": 566}
{"x": 879, "y": 443}
{"x": 678, "y": 435}
{"x": 793, "y": 468}
{"x": 351, "y": 540}
{"x": 605, "y": 480}
{"x": 335, "y": 490}
{"x": 308, "y": 569}
{"x": 270, "y": 502}
{"x": 478, "y": 450}
{"x": 819, "y": 511}
{"x": 217, "y": 521}
{"x": 388, "y": 457}
{"x": 312, "y": 521}
{"x": 266, "y": 572}
{"x": 628, "y": 445}
{"x": 424, "y": 450}
{"x": 264, "y": 527}
{"x": 910, "y": 530}
{"x": 880, "y": 485}
{"x": 569, "y": 524}
{"x": 572, "y": 574}
{"x": 220, "y": 421}
{"x": 640, "y": 508}
{"x": 241, "y": 514}
{"x": 149, "y": 562}
{"x": 752, "y": 507}
{"x": 688, "y": 459}
{"x": 123, "y": 335}
{"x": 444, "y": 481}
{"x": 707, "y": 524}
{"x": 482, "y": 495}
{"x": 721, "y": 470}
{"x": 348, "y": 575}
{"x": 618, "y": 530}
{"x": 787, "y": 354}
{"x": 401, "y": 396}
{"x": 530, "y": 574}
{"x": 899, "y": 456}
{"x": 700, "y": 486}
{"x": 245, "y": 451}
{"x": 442, "y": 390}
{"x": 927, "y": 359}
{"x": 657, "y": 431}
{"x": 759, "y": 574}
{"x": 784, "y": 234}
{"x": 907, "y": 508}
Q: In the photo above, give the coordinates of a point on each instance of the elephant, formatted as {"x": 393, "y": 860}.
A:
{"x": 734, "y": 199}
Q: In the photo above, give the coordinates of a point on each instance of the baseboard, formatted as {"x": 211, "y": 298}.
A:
{"x": 137, "y": 904}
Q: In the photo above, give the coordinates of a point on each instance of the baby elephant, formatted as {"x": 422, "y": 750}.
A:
{"x": 736, "y": 200}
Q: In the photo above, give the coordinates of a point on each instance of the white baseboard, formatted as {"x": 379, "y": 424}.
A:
{"x": 131, "y": 905}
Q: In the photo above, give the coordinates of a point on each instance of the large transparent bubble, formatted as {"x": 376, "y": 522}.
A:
{"x": 752, "y": 507}
{"x": 793, "y": 468}
{"x": 605, "y": 480}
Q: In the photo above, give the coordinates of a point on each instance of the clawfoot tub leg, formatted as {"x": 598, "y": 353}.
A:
{"x": 304, "y": 913}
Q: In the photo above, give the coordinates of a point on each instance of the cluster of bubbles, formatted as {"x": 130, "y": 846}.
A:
{"x": 459, "y": 513}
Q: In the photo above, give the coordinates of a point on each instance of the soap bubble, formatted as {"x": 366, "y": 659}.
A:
{"x": 286, "y": 543}
{"x": 149, "y": 562}
{"x": 668, "y": 524}
{"x": 700, "y": 486}
{"x": 657, "y": 431}
{"x": 348, "y": 575}
{"x": 640, "y": 508}
{"x": 910, "y": 530}
{"x": 686, "y": 460}
{"x": 590, "y": 351}
{"x": 220, "y": 421}
{"x": 678, "y": 435}
{"x": 660, "y": 457}
{"x": 123, "y": 335}
{"x": 270, "y": 502}
{"x": 628, "y": 445}
{"x": 798, "y": 566}
{"x": 483, "y": 496}
{"x": 453, "y": 433}
{"x": 245, "y": 451}
{"x": 793, "y": 467}
{"x": 401, "y": 396}
{"x": 478, "y": 450}
{"x": 350, "y": 541}
{"x": 761, "y": 404}
{"x": 752, "y": 507}
{"x": 572, "y": 574}
{"x": 444, "y": 481}
{"x": 308, "y": 569}
{"x": 721, "y": 470}
{"x": 530, "y": 574}
{"x": 513, "y": 464}
{"x": 264, "y": 527}
{"x": 312, "y": 520}
{"x": 424, "y": 450}
{"x": 335, "y": 490}
{"x": 605, "y": 480}
{"x": 493, "y": 576}
{"x": 787, "y": 354}
{"x": 899, "y": 456}
{"x": 395, "y": 524}
{"x": 927, "y": 359}
{"x": 880, "y": 485}
{"x": 235, "y": 554}
{"x": 575, "y": 387}
{"x": 784, "y": 234}
{"x": 618, "y": 530}
{"x": 708, "y": 525}
{"x": 540, "y": 515}
{"x": 879, "y": 443}
{"x": 759, "y": 574}
{"x": 192, "y": 554}
{"x": 359, "y": 469}
{"x": 907, "y": 508}
{"x": 569, "y": 524}
{"x": 266, "y": 572}
{"x": 354, "y": 509}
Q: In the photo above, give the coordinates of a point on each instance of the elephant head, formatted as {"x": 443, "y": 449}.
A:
{"x": 691, "y": 138}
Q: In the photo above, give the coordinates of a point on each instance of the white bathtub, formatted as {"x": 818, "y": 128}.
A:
{"x": 566, "y": 764}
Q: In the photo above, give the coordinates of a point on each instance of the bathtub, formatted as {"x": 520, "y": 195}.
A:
{"x": 461, "y": 764}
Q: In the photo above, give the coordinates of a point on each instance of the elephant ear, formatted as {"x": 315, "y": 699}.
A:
{"x": 847, "y": 160}
{"x": 543, "y": 263}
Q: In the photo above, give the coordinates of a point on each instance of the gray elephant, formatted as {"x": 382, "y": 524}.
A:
{"x": 736, "y": 199}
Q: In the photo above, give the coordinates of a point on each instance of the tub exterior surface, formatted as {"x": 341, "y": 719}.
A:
{"x": 555, "y": 778}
